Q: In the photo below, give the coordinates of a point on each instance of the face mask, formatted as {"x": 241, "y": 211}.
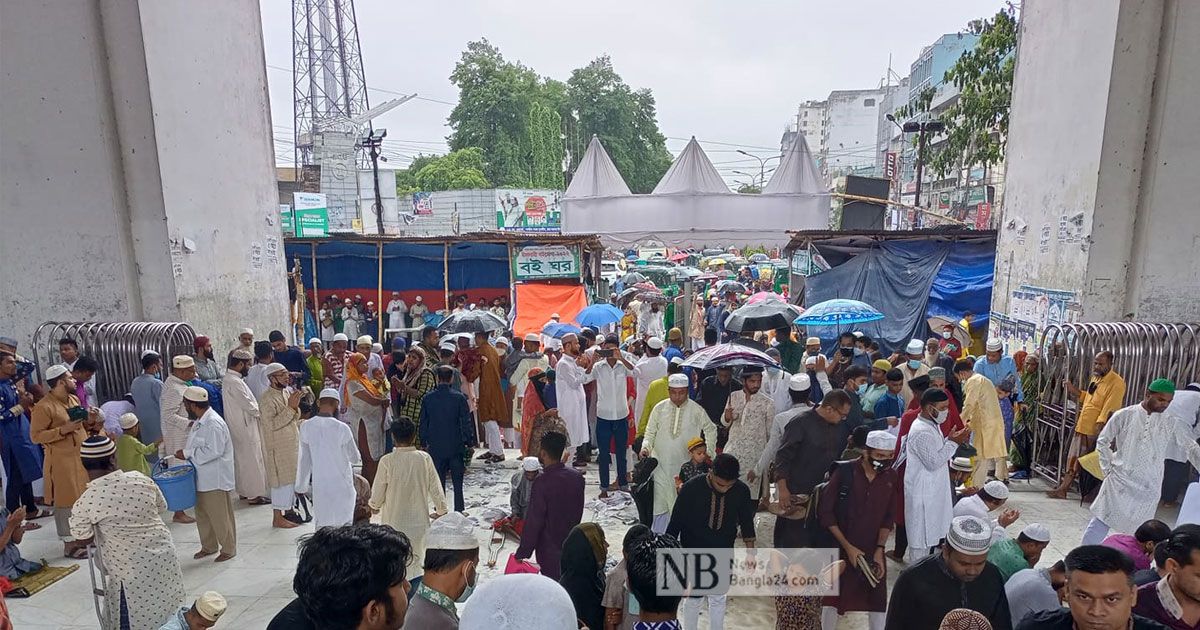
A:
{"x": 914, "y": 364}
{"x": 946, "y": 335}
{"x": 466, "y": 593}
{"x": 858, "y": 352}
{"x": 862, "y": 389}
{"x": 942, "y": 415}
{"x": 881, "y": 464}
{"x": 632, "y": 607}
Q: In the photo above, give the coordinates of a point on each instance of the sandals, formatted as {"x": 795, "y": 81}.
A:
{"x": 40, "y": 514}
{"x": 78, "y": 553}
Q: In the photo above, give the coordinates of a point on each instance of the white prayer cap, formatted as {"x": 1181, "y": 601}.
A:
{"x": 553, "y": 315}
{"x": 128, "y": 420}
{"x": 677, "y": 360}
{"x": 448, "y": 345}
{"x": 55, "y": 371}
{"x": 502, "y": 341}
{"x": 246, "y": 331}
{"x": 1037, "y": 531}
{"x": 275, "y": 367}
{"x": 811, "y": 360}
{"x": 505, "y": 602}
{"x": 195, "y": 394}
{"x": 376, "y": 347}
{"x": 364, "y": 340}
{"x": 812, "y": 341}
{"x": 533, "y": 337}
{"x": 242, "y": 355}
{"x": 994, "y": 345}
{"x": 916, "y": 346}
{"x": 314, "y": 340}
{"x": 677, "y": 380}
{"x": 857, "y": 334}
{"x": 881, "y": 440}
{"x": 452, "y": 531}
{"x": 146, "y": 353}
{"x": 961, "y": 464}
{"x": 569, "y": 337}
{"x": 419, "y": 298}
{"x": 530, "y": 464}
{"x": 996, "y": 489}
{"x": 330, "y": 392}
{"x": 654, "y": 342}
{"x": 395, "y": 293}
{"x": 211, "y": 605}
{"x": 183, "y": 361}
{"x": 799, "y": 383}
{"x": 969, "y": 535}
{"x": 341, "y": 337}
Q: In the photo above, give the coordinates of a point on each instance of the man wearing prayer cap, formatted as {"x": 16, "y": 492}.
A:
{"x": 1132, "y": 445}
{"x": 351, "y": 317}
{"x": 328, "y": 459}
{"x": 1023, "y": 552}
{"x": 522, "y": 601}
{"x": 210, "y": 449}
{"x": 1185, "y": 410}
{"x": 996, "y": 365}
{"x": 245, "y": 341}
{"x": 990, "y": 498}
{"x": 672, "y": 424}
{"x": 649, "y": 368}
{"x": 981, "y": 411}
{"x": 959, "y": 576}
{"x": 911, "y": 365}
{"x": 204, "y": 613}
{"x": 748, "y": 415}
{"x": 451, "y": 558}
{"x": 522, "y": 486}
{"x": 674, "y": 344}
{"x": 857, "y": 508}
{"x": 334, "y": 365}
{"x": 928, "y": 503}
{"x": 656, "y": 392}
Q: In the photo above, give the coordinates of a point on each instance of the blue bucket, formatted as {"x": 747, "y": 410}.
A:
{"x": 178, "y": 485}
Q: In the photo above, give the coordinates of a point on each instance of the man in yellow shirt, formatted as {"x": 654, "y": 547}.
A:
{"x": 1105, "y": 394}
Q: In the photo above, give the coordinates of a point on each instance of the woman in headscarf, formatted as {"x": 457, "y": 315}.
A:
{"x": 364, "y": 405}
{"x": 1019, "y": 454}
{"x": 583, "y": 555}
{"x": 532, "y": 405}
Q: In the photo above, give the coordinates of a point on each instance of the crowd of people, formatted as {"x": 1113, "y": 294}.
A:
{"x": 848, "y": 449}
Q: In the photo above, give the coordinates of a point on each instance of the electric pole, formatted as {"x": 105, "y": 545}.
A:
{"x": 373, "y": 143}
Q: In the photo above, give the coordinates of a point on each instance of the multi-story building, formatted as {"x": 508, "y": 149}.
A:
{"x": 851, "y": 132}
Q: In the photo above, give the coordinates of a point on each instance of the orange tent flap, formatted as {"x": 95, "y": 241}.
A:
{"x": 537, "y": 302}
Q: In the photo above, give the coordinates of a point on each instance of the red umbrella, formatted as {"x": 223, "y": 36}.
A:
{"x": 647, "y": 286}
{"x": 678, "y": 256}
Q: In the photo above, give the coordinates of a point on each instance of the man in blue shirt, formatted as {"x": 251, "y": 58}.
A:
{"x": 446, "y": 430}
{"x": 890, "y": 407}
{"x": 22, "y": 459}
{"x": 995, "y": 366}
{"x": 674, "y": 345}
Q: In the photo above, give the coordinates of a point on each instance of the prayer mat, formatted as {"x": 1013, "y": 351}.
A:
{"x": 36, "y": 581}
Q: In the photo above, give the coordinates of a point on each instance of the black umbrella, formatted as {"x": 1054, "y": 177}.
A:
{"x": 478, "y": 320}
{"x": 725, "y": 286}
{"x": 633, "y": 278}
{"x": 764, "y": 315}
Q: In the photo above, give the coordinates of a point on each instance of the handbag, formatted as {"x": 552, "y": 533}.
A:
{"x": 519, "y": 566}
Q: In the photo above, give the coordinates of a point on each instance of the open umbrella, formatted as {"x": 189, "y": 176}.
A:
{"x": 646, "y": 285}
{"x": 599, "y": 315}
{"x": 632, "y": 278}
{"x": 560, "y": 329}
{"x": 688, "y": 273}
{"x": 478, "y": 320}
{"x": 764, "y": 295}
{"x": 724, "y": 273}
{"x": 938, "y": 323}
{"x": 652, "y": 295}
{"x": 837, "y": 312}
{"x": 678, "y": 256}
{"x": 726, "y": 286}
{"x": 759, "y": 258}
{"x": 765, "y": 315}
{"x": 705, "y": 277}
{"x": 728, "y": 355}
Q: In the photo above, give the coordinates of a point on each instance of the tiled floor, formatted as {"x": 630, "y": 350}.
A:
{"x": 257, "y": 582}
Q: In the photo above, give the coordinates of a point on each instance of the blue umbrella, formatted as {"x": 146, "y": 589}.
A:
{"x": 557, "y": 331}
{"x": 837, "y": 312}
{"x": 599, "y": 315}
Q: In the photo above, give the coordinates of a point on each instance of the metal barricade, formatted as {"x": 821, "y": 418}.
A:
{"x": 1142, "y": 352}
{"x": 116, "y": 346}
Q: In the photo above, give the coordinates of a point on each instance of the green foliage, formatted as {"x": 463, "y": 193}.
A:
{"x": 977, "y": 123}
{"x": 457, "y": 170}
{"x": 406, "y": 178}
{"x": 747, "y": 189}
{"x": 519, "y": 120}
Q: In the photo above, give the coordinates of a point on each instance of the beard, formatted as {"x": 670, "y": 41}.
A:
{"x": 245, "y": 371}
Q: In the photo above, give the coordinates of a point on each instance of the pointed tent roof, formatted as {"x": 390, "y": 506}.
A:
{"x": 691, "y": 173}
{"x": 596, "y": 175}
{"x": 797, "y": 173}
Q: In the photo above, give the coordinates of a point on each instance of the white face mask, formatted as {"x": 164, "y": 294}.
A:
{"x": 946, "y": 334}
{"x": 941, "y": 416}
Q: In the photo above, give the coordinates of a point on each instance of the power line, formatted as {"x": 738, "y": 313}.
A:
{"x": 375, "y": 89}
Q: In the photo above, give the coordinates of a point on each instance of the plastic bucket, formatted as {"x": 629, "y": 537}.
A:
{"x": 178, "y": 485}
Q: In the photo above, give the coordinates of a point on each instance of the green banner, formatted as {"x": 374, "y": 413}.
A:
{"x": 534, "y": 262}
{"x": 312, "y": 223}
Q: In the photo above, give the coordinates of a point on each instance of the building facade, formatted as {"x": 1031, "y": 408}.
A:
{"x": 851, "y": 132}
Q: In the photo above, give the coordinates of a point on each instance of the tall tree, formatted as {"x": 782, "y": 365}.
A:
{"x": 624, "y": 119}
{"x": 406, "y": 178}
{"x": 977, "y": 123}
{"x": 457, "y": 170}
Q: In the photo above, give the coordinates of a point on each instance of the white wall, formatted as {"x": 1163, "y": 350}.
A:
{"x": 852, "y": 129}
{"x": 1103, "y": 127}
{"x": 128, "y": 124}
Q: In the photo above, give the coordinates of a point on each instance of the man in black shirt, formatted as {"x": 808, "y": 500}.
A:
{"x": 708, "y": 513}
{"x": 1100, "y": 593}
{"x": 714, "y": 395}
{"x": 811, "y": 443}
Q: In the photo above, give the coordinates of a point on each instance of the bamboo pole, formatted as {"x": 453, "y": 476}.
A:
{"x": 379, "y": 294}
{"x": 446, "y": 273}
{"x": 316, "y": 295}
{"x": 889, "y": 202}
{"x": 512, "y": 278}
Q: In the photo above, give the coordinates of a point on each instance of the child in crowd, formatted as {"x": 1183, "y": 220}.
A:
{"x": 1004, "y": 390}
{"x": 620, "y": 607}
{"x": 698, "y": 465}
{"x": 131, "y": 453}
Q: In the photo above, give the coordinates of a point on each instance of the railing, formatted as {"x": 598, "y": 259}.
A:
{"x": 116, "y": 346}
{"x": 1142, "y": 352}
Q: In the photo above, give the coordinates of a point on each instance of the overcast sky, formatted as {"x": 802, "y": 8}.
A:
{"x": 725, "y": 72}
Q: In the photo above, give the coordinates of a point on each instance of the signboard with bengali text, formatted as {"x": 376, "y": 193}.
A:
{"x": 537, "y": 262}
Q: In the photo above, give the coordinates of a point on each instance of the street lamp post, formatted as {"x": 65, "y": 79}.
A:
{"x": 932, "y": 126}
{"x": 762, "y": 165}
{"x": 373, "y": 142}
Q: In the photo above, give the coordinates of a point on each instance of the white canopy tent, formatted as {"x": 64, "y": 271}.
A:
{"x": 692, "y": 206}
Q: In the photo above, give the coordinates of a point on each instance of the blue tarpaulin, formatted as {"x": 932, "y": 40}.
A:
{"x": 908, "y": 280}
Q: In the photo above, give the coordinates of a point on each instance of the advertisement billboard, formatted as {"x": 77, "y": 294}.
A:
{"x": 528, "y": 210}
{"x": 310, "y": 215}
{"x": 538, "y": 262}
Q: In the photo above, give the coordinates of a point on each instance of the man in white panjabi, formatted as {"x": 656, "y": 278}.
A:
{"x": 328, "y": 458}
{"x": 279, "y": 426}
{"x": 210, "y": 450}
{"x": 173, "y": 417}
{"x": 748, "y": 414}
{"x": 418, "y": 311}
{"x": 672, "y": 424}
{"x": 928, "y": 507}
{"x": 648, "y": 369}
{"x": 1141, "y": 435}
{"x": 396, "y": 310}
{"x": 350, "y": 317}
{"x": 568, "y": 386}
{"x": 241, "y": 416}
{"x": 406, "y": 489}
